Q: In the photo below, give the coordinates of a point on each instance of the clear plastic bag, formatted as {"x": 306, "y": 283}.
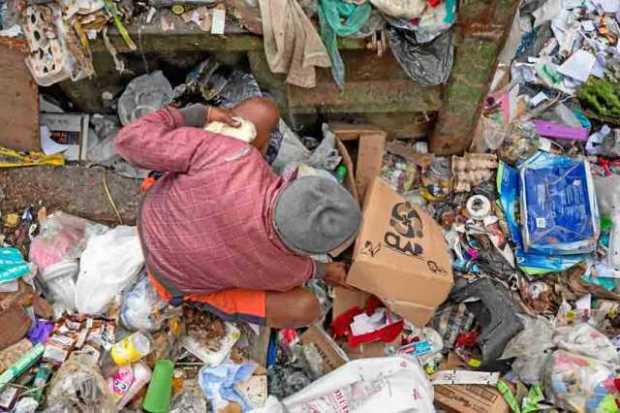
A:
{"x": 62, "y": 237}
{"x": 531, "y": 347}
{"x": 102, "y": 150}
{"x": 142, "y": 307}
{"x": 79, "y": 386}
{"x": 578, "y": 383}
{"x": 144, "y": 94}
{"x": 293, "y": 152}
{"x": 109, "y": 264}
{"x": 586, "y": 340}
{"x": 59, "y": 281}
{"x": 536, "y": 337}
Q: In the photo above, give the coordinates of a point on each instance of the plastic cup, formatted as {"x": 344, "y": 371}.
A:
{"x": 159, "y": 393}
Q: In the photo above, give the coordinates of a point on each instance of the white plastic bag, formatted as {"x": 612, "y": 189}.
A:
{"x": 110, "y": 263}
{"x": 383, "y": 384}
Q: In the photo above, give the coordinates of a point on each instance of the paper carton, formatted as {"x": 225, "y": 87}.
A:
{"x": 401, "y": 255}
{"x": 470, "y": 398}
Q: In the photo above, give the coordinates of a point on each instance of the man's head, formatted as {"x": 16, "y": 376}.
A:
{"x": 263, "y": 113}
{"x": 315, "y": 215}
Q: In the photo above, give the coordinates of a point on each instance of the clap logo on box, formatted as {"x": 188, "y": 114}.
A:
{"x": 405, "y": 227}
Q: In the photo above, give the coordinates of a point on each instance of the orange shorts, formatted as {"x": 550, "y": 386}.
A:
{"x": 236, "y": 304}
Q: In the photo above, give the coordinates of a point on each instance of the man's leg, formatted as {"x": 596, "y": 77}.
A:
{"x": 292, "y": 309}
{"x": 289, "y": 309}
{"x": 263, "y": 113}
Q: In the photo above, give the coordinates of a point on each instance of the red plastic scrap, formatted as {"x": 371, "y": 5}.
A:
{"x": 341, "y": 325}
{"x": 466, "y": 339}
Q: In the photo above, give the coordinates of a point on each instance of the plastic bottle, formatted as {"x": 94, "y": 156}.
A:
{"x": 141, "y": 376}
{"x": 120, "y": 382}
{"x": 131, "y": 349}
{"x": 158, "y": 395}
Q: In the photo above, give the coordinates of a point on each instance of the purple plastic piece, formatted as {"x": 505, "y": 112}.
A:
{"x": 40, "y": 331}
{"x": 560, "y": 131}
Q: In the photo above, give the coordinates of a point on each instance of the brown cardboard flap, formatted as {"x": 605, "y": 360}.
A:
{"x": 346, "y": 298}
{"x": 401, "y": 254}
{"x": 369, "y": 160}
{"x": 417, "y": 314}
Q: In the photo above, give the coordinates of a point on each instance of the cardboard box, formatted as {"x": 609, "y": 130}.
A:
{"x": 470, "y": 398}
{"x": 401, "y": 256}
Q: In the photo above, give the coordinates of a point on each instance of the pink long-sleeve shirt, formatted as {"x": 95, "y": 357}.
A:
{"x": 206, "y": 225}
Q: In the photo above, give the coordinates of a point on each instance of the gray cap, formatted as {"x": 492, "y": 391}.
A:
{"x": 315, "y": 215}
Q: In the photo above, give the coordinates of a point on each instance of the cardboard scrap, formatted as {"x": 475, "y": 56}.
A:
{"x": 332, "y": 355}
{"x": 467, "y": 398}
{"x": 470, "y": 398}
{"x": 19, "y": 98}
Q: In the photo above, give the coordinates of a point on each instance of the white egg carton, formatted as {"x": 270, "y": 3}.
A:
{"x": 55, "y": 50}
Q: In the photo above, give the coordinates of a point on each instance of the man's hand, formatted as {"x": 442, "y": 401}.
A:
{"x": 336, "y": 273}
{"x": 216, "y": 114}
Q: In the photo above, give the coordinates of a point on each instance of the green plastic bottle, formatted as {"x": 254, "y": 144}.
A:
{"x": 158, "y": 395}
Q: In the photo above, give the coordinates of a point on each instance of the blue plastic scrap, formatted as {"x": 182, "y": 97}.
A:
{"x": 12, "y": 265}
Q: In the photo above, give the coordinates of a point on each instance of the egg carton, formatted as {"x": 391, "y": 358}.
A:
{"x": 55, "y": 50}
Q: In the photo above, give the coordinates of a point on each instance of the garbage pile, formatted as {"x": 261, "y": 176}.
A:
{"x": 478, "y": 283}
{"x": 297, "y": 37}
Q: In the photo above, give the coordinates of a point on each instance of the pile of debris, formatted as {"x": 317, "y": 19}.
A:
{"x": 478, "y": 283}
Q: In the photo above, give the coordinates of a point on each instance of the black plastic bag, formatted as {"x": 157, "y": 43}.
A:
{"x": 430, "y": 63}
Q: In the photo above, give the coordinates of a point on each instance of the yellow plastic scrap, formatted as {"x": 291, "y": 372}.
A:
{"x": 11, "y": 220}
{"x": 13, "y": 159}
{"x": 77, "y": 26}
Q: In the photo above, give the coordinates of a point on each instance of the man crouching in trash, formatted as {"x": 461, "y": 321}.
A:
{"x": 221, "y": 230}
